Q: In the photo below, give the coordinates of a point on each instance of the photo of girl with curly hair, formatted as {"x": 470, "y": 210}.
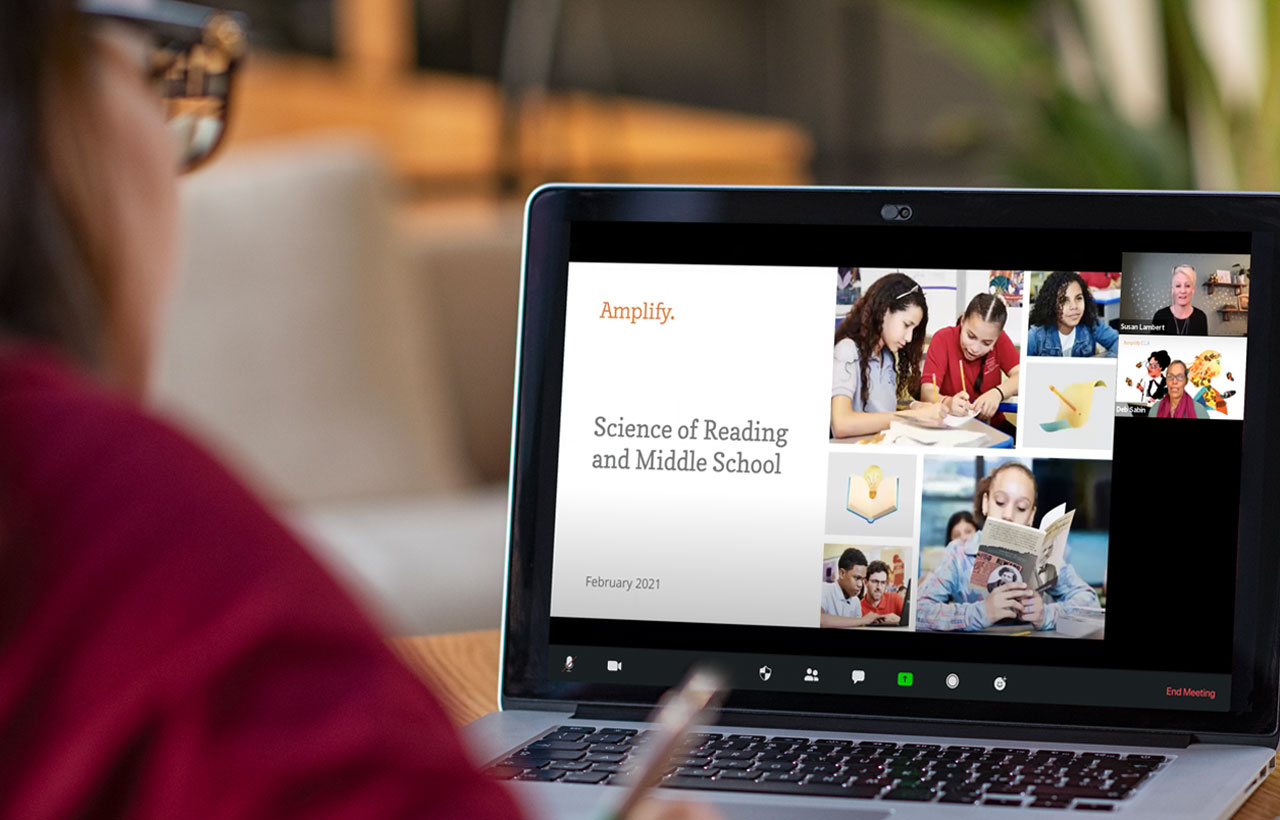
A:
{"x": 877, "y": 356}
{"x": 1064, "y": 320}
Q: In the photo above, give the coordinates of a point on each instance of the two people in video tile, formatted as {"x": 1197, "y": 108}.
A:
{"x": 879, "y": 350}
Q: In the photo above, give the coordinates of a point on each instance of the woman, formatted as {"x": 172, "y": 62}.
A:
{"x": 1181, "y": 318}
{"x": 1156, "y": 386}
{"x": 1176, "y": 404}
{"x": 947, "y": 602}
{"x": 1064, "y": 320}
{"x": 876, "y": 358}
{"x": 972, "y": 366}
{"x": 169, "y": 649}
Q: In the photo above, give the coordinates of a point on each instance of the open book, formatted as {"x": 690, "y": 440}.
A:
{"x": 1011, "y": 552}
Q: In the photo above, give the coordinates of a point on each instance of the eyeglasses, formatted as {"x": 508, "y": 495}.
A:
{"x": 1175, "y": 377}
{"x": 194, "y": 54}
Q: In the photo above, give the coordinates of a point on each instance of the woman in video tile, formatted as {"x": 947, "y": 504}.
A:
{"x": 1064, "y": 320}
{"x": 1181, "y": 318}
{"x": 888, "y": 320}
{"x": 1177, "y": 404}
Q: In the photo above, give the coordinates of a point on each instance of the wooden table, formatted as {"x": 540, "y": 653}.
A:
{"x": 462, "y": 669}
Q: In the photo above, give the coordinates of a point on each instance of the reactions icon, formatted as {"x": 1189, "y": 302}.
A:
{"x": 765, "y": 673}
{"x": 999, "y": 683}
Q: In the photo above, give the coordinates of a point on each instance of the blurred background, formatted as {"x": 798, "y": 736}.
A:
{"x": 344, "y": 326}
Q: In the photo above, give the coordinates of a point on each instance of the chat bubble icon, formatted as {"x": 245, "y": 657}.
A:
{"x": 859, "y": 675}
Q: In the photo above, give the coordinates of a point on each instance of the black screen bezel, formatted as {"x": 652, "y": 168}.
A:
{"x": 553, "y": 210}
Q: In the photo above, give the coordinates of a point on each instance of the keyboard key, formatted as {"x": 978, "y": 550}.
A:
{"x": 552, "y": 754}
{"x": 564, "y": 745}
{"x": 1046, "y": 803}
{"x": 693, "y": 771}
{"x": 1095, "y": 807}
{"x": 609, "y": 758}
{"x": 582, "y": 730}
{"x": 734, "y": 774}
{"x": 564, "y": 736}
{"x": 749, "y": 738}
{"x": 612, "y": 748}
{"x": 697, "y": 762}
{"x": 585, "y": 777}
{"x": 541, "y": 774}
{"x": 570, "y": 765}
{"x": 919, "y": 795}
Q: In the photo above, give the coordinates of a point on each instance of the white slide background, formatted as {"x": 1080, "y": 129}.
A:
{"x": 745, "y": 343}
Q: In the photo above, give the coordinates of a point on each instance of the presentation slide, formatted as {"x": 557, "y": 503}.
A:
{"x": 693, "y": 454}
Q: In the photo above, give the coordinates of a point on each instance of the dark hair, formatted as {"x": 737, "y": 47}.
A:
{"x": 985, "y": 483}
{"x": 1161, "y": 357}
{"x": 956, "y": 518}
{"x": 894, "y": 292}
{"x": 879, "y": 566}
{"x": 52, "y": 268}
{"x": 988, "y": 307}
{"x": 851, "y": 558}
{"x": 1045, "y": 310}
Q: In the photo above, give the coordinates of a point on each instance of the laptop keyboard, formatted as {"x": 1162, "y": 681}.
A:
{"x": 917, "y": 772}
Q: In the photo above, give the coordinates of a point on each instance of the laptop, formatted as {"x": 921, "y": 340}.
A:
{"x": 678, "y": 498}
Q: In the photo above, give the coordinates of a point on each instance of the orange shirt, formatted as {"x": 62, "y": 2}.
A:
{"x": 890, "y": 604}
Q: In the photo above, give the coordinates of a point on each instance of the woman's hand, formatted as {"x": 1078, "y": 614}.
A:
{"x": 1007, "y": 602}
{"x": 987, "y": 404}
{"x": 960, "y": 404}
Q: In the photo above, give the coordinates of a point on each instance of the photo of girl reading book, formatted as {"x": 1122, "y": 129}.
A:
{"x": 877, "y": 353}
{"x": 1048, "y": 588}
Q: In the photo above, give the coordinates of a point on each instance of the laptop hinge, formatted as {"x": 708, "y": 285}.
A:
{"x": 900, "y": 726}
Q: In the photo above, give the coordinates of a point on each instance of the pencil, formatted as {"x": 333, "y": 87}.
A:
{"x": 963, "y": 389}
{"x": 1064, "y": 399}
{"x": 936, "y": 395}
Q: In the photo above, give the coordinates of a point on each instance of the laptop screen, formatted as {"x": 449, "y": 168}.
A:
{"x": 891, "y": 468}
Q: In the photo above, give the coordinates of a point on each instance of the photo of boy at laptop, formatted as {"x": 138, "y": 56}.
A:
{"x": 899, "y": 377}
{"x": 857, "y": 592}
{"x": 1010, "y": 575}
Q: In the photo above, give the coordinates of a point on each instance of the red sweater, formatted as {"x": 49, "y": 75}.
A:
{"x": 168, "y": 650}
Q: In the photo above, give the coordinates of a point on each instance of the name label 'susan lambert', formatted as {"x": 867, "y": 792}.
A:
{"x": 645, "y": 312}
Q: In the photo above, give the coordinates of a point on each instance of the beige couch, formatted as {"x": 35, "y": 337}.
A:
{"x": 356, "y": 366}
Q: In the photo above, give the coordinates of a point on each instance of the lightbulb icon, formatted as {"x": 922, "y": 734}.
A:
{"x": 873, "y": 477}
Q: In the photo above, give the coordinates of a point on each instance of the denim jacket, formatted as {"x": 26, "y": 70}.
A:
{"x": 1044, "y": 341}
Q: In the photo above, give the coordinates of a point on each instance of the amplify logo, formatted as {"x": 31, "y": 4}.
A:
{"x": 644, "y": 312}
